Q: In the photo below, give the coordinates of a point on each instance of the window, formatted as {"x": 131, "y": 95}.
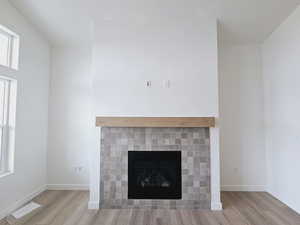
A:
{"x": 8, "y": 89}
{"x": 9, "y": 48}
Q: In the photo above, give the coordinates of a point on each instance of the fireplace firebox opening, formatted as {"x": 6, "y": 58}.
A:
{"x": 154, "y": 175}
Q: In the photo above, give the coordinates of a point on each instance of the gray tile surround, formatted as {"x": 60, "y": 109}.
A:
{"x": 195, "y": 148}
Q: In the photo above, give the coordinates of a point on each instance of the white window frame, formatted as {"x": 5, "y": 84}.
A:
{"x": 7, "y": 141}
{"x": 13, "y": 48}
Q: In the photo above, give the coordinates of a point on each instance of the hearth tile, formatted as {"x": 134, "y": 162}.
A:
{"x": 196, "y": 141}
{"x": 167, "y": 141}
{"x": 204, "y": 153}
{"x": 185, "y": 172}
{"x": 118, "y": 183}
{"x": 165, "y": 147}
{"x": 119, "y": 195}
{"x": 204, "y": 159}
{"x": 130, "y": 147}
{"x": 196, "y": 183}
{"x": 207, "y": 133}
{"x": 203, "y": 183}
{"x": 137, "y": 147}
{"x": 178, "y": 141}
{"x": 202, "y": 141}
{"x": 172, "y": 140}
{"x": 166, "y": 135}
{"x": 184, "y": 142}
{"x": 207, "y": 142}
{"x": 154, "y": 142}
{"x": 184, "y": 135}
{"x": 196, "y": 160}
{"x": 172, "y": 205}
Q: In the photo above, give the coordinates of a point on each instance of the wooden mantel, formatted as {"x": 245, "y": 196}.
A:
{"x": 155, "y": 121}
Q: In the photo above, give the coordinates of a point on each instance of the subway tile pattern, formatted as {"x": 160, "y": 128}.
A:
{"x": 192, "y": 142}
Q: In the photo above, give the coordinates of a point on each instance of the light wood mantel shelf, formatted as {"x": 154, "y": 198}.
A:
{"x": 155, "y": 121}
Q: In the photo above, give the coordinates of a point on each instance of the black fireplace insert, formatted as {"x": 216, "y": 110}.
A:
{"x": 154, "y": 175}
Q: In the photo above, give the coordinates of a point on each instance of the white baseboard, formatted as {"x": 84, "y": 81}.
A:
{"x": 256, "y": 188}
{"x": 93, "y": 205}
{"x": 216, "y": 206}
{"x": 4, "y": 213}
{"x": 71, "y": 187}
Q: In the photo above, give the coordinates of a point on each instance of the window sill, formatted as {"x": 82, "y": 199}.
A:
{"x": 5, "y": 174}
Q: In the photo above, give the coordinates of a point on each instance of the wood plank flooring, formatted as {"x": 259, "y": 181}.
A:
{"x": 240, "y": 208}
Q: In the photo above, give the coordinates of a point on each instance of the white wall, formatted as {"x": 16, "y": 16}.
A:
{"x": 242, "y": 118}
{"x": 281, "y": 68}
{"x": 32, "y": 112}
{"x": 70, "y": 118}
{"x": 183, "y": 50}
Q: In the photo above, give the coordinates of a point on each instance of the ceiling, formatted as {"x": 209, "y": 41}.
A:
{"x": 70, "y": 21}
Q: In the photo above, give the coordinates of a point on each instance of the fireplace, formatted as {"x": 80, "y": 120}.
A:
{"x": 165, "y": 168}
{"x": 154, "y": 175}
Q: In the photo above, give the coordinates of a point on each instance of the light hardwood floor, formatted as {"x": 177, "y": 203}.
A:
{"x": 240, "y": 208}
